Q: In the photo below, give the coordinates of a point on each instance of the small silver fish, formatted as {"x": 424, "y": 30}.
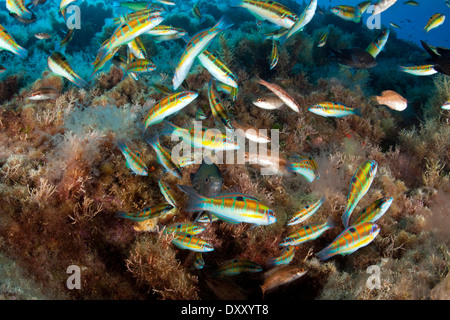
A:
{"x": 45, "y": 93}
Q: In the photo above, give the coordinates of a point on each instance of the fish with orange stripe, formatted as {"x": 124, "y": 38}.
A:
{"x": 359, "y": 185}
{"x": 147, "y": 213}
{"x": 189, "y": 242}
{"x": 334, "y": 109}
{"x": 218, "y": 110}
{"x": 374, "y": 211}
{"x": 134, "y": 159}
{"x": 307, "y": 233}
{"x": 423, "y": 70}
{"x": 59, "y": 65}
{"x": 350, "y": 240}
{"x": 8, "y": 43}
{"x": 285, "y": 258}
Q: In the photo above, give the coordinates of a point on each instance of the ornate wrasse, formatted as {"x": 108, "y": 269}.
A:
{"x": 217, "y": 68}
{"x": 374, "y": 211}
{"x": 59, "y": 65}
{"x": 350, "y": 240}
{"x": 334, "y": 109}
{"x": 166, "y": 192}
{"x": 307, "y": 233}
{"x": 378, "y": 44}
{"x": 359, "y": 185}
{"x": 302, "y": 21}
{"x": 218, "y": 110}
{"x": 167, "y": 106}
{"x": 187, "y": 228}
{"x": 425, "y": 70}
{"x": 199, "y": 263}
{"x": 348, "y": 13}
{"x": 435, "y": 21}
{"x": 236, "y": 266}
{"x": 306, "y": 212}
{"x": 18, "y": 7}
{"x": 268, "y": 10}
{"x": 285, "y": 258}
{"x": 189, "y": 242}
{"x": 134, "y": 160}
{"x": 306, "y": 166}
{"x": 196, "y": 45}
{"x": 231, "y": 208}
{"x": 163, "y": 156}
{"x": 274, "y": 55}
{"x": 8, "y": 43}
{"x": 147, "y": 213}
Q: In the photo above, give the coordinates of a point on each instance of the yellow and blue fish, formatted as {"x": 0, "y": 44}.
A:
{"x": 435, "y": 21}
{"x": 323, "y": 40}
{"x": 334, "y": 109}
{"x": 306, "y": 166}
{"x": 378, "y": 44}
{"x": 136, "y": 14}
{"x": 166, "y": 192}
{"x": 237, "y": 266}
{"x": 306, "y": 212}
{"x": 134, "y": 160}
{"x": 424, "y": 70}
{"x": 189, "y": 242}
{"x": 218, "y": 110}
{"x": 348, "y": 13}
{"x": 59, "y": 65}
{"x": 350, "y": 240}
{"x": 231, "y": 208}
{"x": 285, "y": 258}
{"x": 196, "y": 45}
{"x": 274, "y": 55}
{"x": 185, "y": 228}
{"x": 217, "y": 68}
{"x": 307, "y": 233}
{"x": 359, "y": 185}
{"x": 302, "y": 21}
{"x": 374, "y": 211}
{"x": 199, "y": 263}
{"x": 135, "y": 5}
{"x": 147, "y": 213}
{"x": 164, "y": 157}
{"x": 168, "y": 106}
{"x": 446, "y": 105}
{"x": 412, "y": 3}
{"x": 8, "y": 43}
{"x": 18, "y": 8}
{"x": 222, "y": 87}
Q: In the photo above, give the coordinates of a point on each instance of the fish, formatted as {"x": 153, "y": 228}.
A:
{"x": 411, "y": 3}
{"x": 147, "y": 213}
{"x": 163, "y": 30}
{"x": 306, "y": 212}
{"x": 232, "y": 208}
{"x": 133, "y": 5}
{"x": 210, "y": 139}
{"x": 204, "y": 218}
{"x": 274, "y": 55}
{"x": 249, "y": 132}
{"x": 447, "y": 2}
{"x": 152, "y": 10}
{"x": 355, "y": 58}
{"x": 374, "y": 211}
{"x": 208, "y": 180}
{"x": 35, "y": 3}
{"x": 382, "y": 5}
{"x": 377, "y": 45}
{"x": 269, "y": 10}
{"x": 278, "y": 276}
{"x": 306, "y": 166}
{"x": 189, "y": 242}
{"x": 280, "y": 93}
{"x": 200, "y": 114}
{"x": 307, "y": 233}
{"x": 350, "y": 240}
{"x": 446, "y": 105}
{"x": 17, "y": 8}
{"x": 166, "y": 192}
{"x": 236, "y": 266}
{"x": 185, "y": 228}
{"x": 222, "y": 87}
{"x": 117, "y": 60}
{"x": 8, "y": 43}
{"x": 44, "y": 93}
{"x": 24, "y": 20}
{"x": 218, "y": 110}
{"x": 170, "y": 37}
{"x": 359, "y": 185}
{"x": 306, "y": 17}
{"x": 136, "y": 49}
{"x": 59, "y": 65}
{"x": 435, "y": 21}
{"x": 67, "y": 38}
{"x": 395, "y": 25}
{"x": 167, "y": 3}
{"x": 139, "y": 66}
{"x": 199, "y": 263}
{"x": 348, "y": 13}
{"x": 285, "y": 258}
{"x": 334, "y": 109}
{"x": 196, "y": 11}
{"x": 162, "y": 88}
{"x": 276, "y": 164}
{"x": 268, "y": 102}
{"x": 424, "y": 70}
{"x": 42, "y": 35}
{"x": 167, "y": 106}
{"x": 63, "y": 5}
{"x": 196, "y": 45}
{"x": 323, "y": 40}
{"x": 134, "y": 160}
{"x": 441, "y": 58}
{"x": 363, "y": 6}
{"x": 163, "y": 156}
{"x": 392, "y": 100}
{"x": 277, "y": 34}
{"x": 217, "y": 68}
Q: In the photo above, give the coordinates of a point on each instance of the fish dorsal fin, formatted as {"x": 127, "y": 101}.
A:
{"x": 237, "y": 195}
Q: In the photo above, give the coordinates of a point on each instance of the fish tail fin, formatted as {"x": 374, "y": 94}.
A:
{"x": 168, "y": 128}
{"x": 345, "y": 218}
{"x": 283, "y": 38}
{"x": 331, "y": 222}
{"x": 324, "y": 254}
{"x": 152, "y": 140}
{"x": 21, "y": 52}
{"x": 358, "y": 111}
{"x": 224, "y": 23}
{"x": 428, "y": 49}
{"x": 80, "y": 82}
{"x": 195, "y": 201}
{"x": 236, "y": 3}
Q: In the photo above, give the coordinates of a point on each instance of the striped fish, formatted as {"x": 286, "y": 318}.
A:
{"x": 199, "y": 263}
{"x": 205, "y": 218}
{"x": 168, "y": 106}
{"x": 137, "y": 49}
{"x": 306, "y": 212}
{"x": 268, "y": 10}
{"x": 8, "y": 43}
{"x": 334, "y": 109}
{"x": 195, "y": 46}
{"x": 280, "y": 93}
{"x": 63, "y": 5}
{"x": 274, "y": 55}
{"x": 347, "y": 13}
{"x": 306, "y": 166}
{"x": 134, "y": 160}
{"x": 435, "y": 21}
{"x": 374, "y": 211}
{"x": 18, "y": 8}
{"x": 199, "y": 114}
{"x": 307, "y": 233}
{"x": 189, "y": 242}
{"x": 425, "y": 70}
{"x": 211, "y": 139}
{"x": 378, "y": 44}
{"x": 222, "y": 87}
{"x": 302, "y": 21}
{"x": 59, "y": 65}
{"x": 170, "y": 37}
{"x": 147, "y": 213}
{"x": 166, "y": 192}
{"x": 218, "y": 110}
{"x": 162, "y": 30}
{"x": 188, "y": 228}
{"x": 163, "y": 157}
{"x": 67, "y": 38}
{"x": 395, "y": 25}
{"x": 196, "y": 11}
{"x": 359, "y": 185}
{"x": 231, "y": 208}
{"x": 217, "y": 68}
{"x": 363, "y": 6}
{"x": 382, "y": 5}
{"x": 236, "y": 266}
{"x": 276, "y": 35}
{"x": 285, "y": 258}
{"x": 139, "y": 66}
{"x": 135, "y": 5}
{"x": 446, "y": 105}
{"x": 350, "y": 240}
{"x": 323, "y": 40}
{"x": 153, "y": 9}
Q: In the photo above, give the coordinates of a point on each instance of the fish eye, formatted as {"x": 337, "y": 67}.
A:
{"x": 206, "y": 179}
